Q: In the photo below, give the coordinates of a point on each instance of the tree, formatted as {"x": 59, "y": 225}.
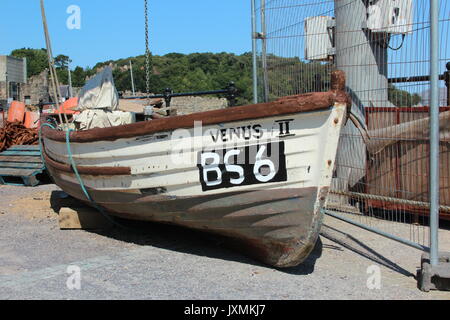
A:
{"x": 62, "y": 61}
{"x": 205, "y": 71}
{"x": 402, "y": 98}
{"x": 78, "y": 77}
{"x": 37, "y": 60}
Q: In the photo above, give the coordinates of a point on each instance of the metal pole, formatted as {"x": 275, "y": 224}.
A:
{"x": 447, "y": 82}
{"x": 434, "y": 133}
{"x": 254, "y": 44}
{"x": 132, "y": 78}
{"x": 7, "y": 84}
{"x": 70, "y": 82}
{"x": 377, "y": 231}
{"x": 264, "y": 50}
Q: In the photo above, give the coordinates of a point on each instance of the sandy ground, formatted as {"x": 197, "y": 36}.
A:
{"x": 162, "y": 262}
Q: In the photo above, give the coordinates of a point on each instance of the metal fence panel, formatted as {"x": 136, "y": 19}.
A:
{"x": 384, "y": 48}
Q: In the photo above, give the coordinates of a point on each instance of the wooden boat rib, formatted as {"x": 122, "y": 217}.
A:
{"x": 257, "y": 174}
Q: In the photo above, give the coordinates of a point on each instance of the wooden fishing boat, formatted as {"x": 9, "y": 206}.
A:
{"x": 258, "y": 174}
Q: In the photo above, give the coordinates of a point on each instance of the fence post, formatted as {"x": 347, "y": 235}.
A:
{"x": 264, "y": 50}
{"x": 434, "y": 133}
{"x": 447, "y": 82}
{"x": 254, "y": 38}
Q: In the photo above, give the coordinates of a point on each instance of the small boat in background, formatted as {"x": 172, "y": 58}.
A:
{"x": 257, "y": 174}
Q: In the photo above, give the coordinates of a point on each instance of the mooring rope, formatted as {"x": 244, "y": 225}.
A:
{"x": 41, "y": 147}
{"x": 388, "y": 199}
{"x": 83, "y": 187}
{"x": 78, "y": 176}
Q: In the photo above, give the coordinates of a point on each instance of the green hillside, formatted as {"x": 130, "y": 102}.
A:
{"x": 198, "y": 72}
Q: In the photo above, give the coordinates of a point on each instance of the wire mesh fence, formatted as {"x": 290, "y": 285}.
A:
{"x": 383, "y": 46}
{"x": 283, "y": 39}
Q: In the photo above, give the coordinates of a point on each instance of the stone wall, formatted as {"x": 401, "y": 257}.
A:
{"x": 188, "y": 105}
{"x": 184, "y": 105}
{"x": 2, "y": 90}
{"x": 37, "y": 88}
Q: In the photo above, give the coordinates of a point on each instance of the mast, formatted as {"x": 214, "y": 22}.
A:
{"x": 51, "y": 64}
{"x": 70, "y": 82}
{"x": 132, "y": 79}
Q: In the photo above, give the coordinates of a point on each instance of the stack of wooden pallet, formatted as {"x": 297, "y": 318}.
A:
{"x": 21, "y": 165}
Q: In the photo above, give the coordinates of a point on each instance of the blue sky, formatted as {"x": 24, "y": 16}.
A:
{"x": 113, "y": 29}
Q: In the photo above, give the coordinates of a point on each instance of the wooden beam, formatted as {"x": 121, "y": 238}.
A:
{"x": 84, "y": 218}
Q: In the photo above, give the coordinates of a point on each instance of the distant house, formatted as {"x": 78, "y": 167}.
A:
{"x": 425, "y": 95}
{"x": 13, "y": 76}
{"x": 65, "y": 91}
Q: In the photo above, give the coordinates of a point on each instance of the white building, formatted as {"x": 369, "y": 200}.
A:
{"x": 13, "y": 75}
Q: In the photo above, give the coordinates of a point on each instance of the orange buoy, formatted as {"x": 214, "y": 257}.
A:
{"x": 16, "y": 112}
{"x": 31, "y": 119}
{"x": 68, "y": 105}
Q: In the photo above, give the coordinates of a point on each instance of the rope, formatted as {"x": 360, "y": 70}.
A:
{"x": 40, "y": 141}
{"x": 389, "y": 199}
{"x": 83, "y": 187}
{"x": 80, "y": 180}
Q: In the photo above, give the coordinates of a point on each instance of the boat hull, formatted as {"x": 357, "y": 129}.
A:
{"x": 257, "y": 178}
{"x": 278, "y": 226}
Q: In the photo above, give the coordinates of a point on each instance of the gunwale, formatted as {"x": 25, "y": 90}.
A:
{"x": 286, "y": 105}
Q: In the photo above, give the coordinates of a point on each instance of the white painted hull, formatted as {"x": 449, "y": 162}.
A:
{"x": 310, "y": 152}
{"x": 258, "y": 175}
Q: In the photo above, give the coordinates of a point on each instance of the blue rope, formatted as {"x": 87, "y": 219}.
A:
{"x": 40, "y": 141}
{"x": 83, "y": 188}
{"x": 74, "y": 167}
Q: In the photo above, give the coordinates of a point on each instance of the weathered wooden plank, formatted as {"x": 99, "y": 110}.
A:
{"x": 82, "y": 218}
{"x": 18, "y": 172}
{"x": 20, "y": 153}
{"x": 31, "y": 159}
{"x": 24, "y": 148}
{"x": 20, "y": 165}
{"x": 30, "y": 181}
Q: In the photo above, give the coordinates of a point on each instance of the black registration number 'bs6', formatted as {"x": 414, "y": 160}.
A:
{"x": 255, "y": 164}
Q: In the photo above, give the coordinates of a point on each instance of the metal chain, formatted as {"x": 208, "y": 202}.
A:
{"x": 147, "y": 52}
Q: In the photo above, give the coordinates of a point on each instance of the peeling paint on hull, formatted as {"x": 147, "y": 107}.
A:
{"x": 273, "y": 213}
{"x": 277, "y": 227}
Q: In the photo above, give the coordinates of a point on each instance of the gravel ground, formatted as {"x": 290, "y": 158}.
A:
{"x": 164, "y": 262}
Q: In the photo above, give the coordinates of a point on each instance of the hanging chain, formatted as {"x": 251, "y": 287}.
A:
{"x": 147, "y": 52}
